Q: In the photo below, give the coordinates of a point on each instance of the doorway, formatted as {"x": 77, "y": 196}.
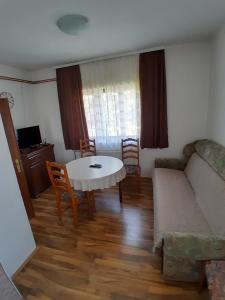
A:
{"x": 15, "y": 155}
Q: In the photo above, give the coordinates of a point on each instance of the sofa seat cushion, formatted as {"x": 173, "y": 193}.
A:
{"x": 175, "y": 206}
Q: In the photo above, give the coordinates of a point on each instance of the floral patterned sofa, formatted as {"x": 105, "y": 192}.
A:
{"x": 215, "y": 275}
{"x": 189, "y": 209}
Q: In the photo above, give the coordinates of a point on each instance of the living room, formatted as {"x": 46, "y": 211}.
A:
{"x": 116, "y": 252}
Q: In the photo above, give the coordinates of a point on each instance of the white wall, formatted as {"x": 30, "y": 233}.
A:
{"x": 187, "y": 84}
{"x": 20, "y": 110}
{"x": 216, "y": 115}
{"x": 47, "y": 115}
{"x": 16, "y": 238}
{"x": 188, "y": 68}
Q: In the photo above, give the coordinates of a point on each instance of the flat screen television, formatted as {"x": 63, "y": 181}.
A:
{"x": 28, "y": 137}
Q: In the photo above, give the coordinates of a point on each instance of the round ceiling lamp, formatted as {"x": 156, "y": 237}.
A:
{"x": 72, "y": 24}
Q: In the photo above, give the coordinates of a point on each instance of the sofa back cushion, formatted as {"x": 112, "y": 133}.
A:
{"x": 209, "y": 189}
{"x": 214, "y": 154}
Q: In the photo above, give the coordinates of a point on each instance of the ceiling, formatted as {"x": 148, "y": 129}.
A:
{"x": 31, "y": 40}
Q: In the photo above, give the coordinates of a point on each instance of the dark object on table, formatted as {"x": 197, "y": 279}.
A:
{"x": 97, "y": 166}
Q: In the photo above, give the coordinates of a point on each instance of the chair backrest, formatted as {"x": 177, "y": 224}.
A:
{"x": 59, "y": 177}
{"x": 87, "y": 147}
{"x": 130, "y": 150}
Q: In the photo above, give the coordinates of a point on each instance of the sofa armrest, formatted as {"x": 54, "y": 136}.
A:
{"x": 194, "y": 246}
{"x": 170, "y": 163}
{"x": 183, "y": 254}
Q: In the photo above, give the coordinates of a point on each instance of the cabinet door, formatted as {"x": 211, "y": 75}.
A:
{"x": 37, "y": 178}
{"x": 47, "y": 154}
{"x": 45, "y": 176}
{"x": 36, "y": 171}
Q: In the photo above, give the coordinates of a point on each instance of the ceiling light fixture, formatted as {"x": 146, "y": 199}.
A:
{"x": 72, "y": 24}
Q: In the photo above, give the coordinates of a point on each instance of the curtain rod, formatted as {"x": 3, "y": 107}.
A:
{"x": 80, "y": 62}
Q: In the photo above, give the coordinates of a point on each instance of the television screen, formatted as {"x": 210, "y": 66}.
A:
{"x": 28, "y": 136}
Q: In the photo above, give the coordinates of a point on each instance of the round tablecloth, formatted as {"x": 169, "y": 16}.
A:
{"x": 85, "y": 178}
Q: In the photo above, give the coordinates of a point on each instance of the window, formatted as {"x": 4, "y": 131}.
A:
{"x": 111, "y": 100}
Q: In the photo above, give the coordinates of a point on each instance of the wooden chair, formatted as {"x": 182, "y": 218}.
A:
{"x": 130, "y": 156}
{"x": 61, "y": 185}
{"x": 87, "y": 147}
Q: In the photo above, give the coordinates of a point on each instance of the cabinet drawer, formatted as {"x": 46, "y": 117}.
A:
{"x": 34, "y": 159}
{"x": 37, "y": 178}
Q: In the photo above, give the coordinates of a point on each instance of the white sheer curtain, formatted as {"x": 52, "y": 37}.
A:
{"x": 111, "y": 100}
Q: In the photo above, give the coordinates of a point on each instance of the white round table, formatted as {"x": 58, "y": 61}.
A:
{"x": 85, "y": 178}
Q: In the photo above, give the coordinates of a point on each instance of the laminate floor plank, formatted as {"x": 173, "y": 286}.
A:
{"x": 108, "y": 258}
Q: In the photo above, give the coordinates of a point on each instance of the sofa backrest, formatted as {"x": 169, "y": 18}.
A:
{"x": 214, "y": 154}
{"x": 209, "y": 190}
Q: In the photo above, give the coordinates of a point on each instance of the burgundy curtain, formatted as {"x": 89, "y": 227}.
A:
{"x": 71, "y": 106}
{"x": 154, "y": 132}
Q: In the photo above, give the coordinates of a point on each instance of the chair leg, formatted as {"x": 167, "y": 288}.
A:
{"x": 120, "y": 192}
{"x": 59, "y": 206}
{"x": 139, "y": 179}
{"x": 74, "y": 209}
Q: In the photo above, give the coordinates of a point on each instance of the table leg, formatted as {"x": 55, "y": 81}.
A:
{"x": 93, "y": 200}
{"x": 90, "y": 205}
{"x": 120, "y": 192}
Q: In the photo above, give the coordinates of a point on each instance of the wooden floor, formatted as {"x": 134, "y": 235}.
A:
{"x": 105, "y": 258}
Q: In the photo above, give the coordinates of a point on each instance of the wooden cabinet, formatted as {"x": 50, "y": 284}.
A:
{"x": 34, "y": 162}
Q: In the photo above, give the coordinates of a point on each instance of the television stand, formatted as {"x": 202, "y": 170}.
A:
{"x": 34, "y": 162}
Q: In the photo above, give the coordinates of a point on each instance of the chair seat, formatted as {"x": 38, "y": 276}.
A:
{"x": 132, "y": 169}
